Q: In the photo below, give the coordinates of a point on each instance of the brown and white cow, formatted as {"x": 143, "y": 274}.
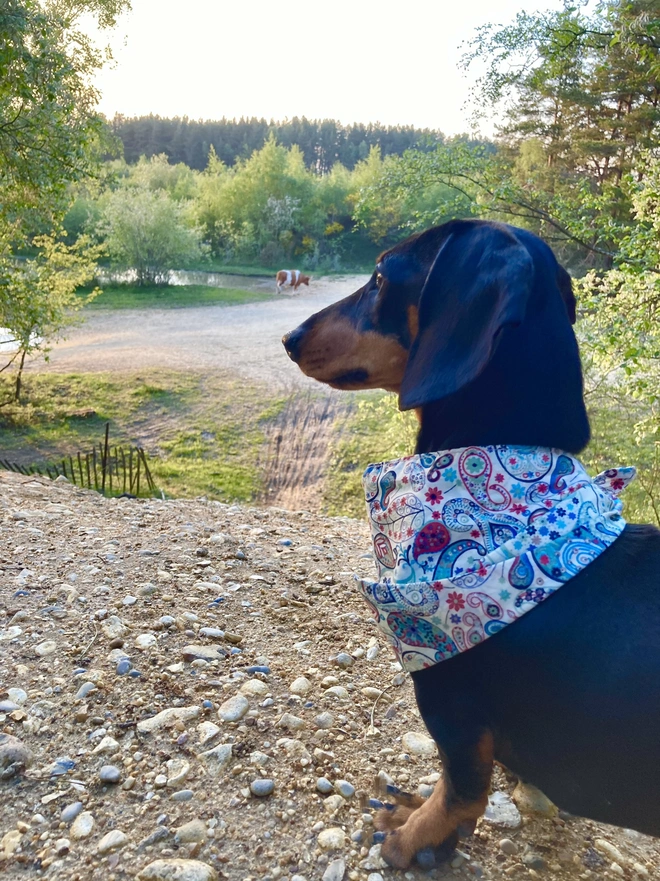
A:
{"x": 292, "y": 278}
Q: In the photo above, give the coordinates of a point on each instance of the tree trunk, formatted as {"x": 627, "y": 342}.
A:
{"x": 19, "y": 376}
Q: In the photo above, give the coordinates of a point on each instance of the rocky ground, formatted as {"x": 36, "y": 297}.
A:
{"x": 191, "y": 691}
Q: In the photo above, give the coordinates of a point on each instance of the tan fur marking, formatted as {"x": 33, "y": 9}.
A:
{"x": 413, "y": 829}
{"x": 413, "y": 321}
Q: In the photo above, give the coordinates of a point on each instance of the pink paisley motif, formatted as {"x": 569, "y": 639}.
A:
{"x": 475, "y": 468}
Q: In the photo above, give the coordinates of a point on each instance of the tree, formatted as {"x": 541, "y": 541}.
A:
{"x": 50, "y": 136}
{"x": 149, "y": 233}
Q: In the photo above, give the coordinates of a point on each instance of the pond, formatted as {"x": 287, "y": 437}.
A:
{"x": 212, "y": 279}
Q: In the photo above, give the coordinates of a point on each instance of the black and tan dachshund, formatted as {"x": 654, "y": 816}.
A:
{"x": 471, "y": 324}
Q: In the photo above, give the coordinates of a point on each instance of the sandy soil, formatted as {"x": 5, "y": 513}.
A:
{"x": 246, "y": 338}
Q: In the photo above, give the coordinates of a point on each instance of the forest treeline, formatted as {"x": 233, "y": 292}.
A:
{"x": 322, "y": 142}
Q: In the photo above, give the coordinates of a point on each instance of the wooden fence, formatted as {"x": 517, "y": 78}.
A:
{"x": 109, "y": 469}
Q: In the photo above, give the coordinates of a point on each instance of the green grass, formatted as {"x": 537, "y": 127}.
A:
{"x": 204, "y": 435}
{"x": 126, "y": 296}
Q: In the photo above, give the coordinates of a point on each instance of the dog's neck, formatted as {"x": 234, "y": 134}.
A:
{"x": 530, "y": 394}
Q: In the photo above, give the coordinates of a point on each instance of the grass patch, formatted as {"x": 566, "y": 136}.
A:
{"x": 126, "y": 296}
{"x": 204, "y": 434}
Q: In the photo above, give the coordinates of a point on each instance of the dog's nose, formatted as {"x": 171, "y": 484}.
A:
{"x": 292, "y": 343}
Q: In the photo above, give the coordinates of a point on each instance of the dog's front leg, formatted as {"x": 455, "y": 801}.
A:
{"x": 414, "y": 827}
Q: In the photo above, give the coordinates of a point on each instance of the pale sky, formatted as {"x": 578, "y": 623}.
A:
{"x": 352, "y": 60}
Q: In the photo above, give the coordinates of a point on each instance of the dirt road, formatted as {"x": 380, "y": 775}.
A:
{"x": 243, "y": 338}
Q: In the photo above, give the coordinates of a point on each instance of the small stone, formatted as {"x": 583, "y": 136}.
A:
{"x": 62, "y": 846}
{"x": 166, "y": 718}
{"x": 333, "y": 803}
{"x": 17, "y": 695}
{"x": 191, "y": 832}
{"x": 82, "y": 826}
{"x": 47, "y": 647}
{"x": 604, "y": 847}
{"x": 534, "y": 861}
{"x": 113, "y": 628}
{"x": 372, "y": 693}
{"x": 85, "y": 689}
{"x": 262, "y": 786}
{"x": 145, "y": 641}
{"x": 113, "y": 840}
{"x": 501, "y": 811}
{"x": 332, "y": 838}
{"x": 345, "y": 789}
{"x": 108, "y": 745}
{"x": 373, "y": 652}
{"x": 640, "y": 870}
{"x": 292, "y": 723}
{"x": 217, "y": 758}
{"x": 260, "y": 759}
{"x": 183, "y": 795}
{"x": 233, "y": 709}
{"x": 531, "y": 800}
{"x": 212, "y": 632}
{"x": 300, "y": 686}
{"x": 337, "y": 691}
{"x": 344, "y": 660}
{"x": 10, "y": 842}
{"x": 324, "y": 786}
{"x": 204, "y": 653}
{"x": 70, "y": 812}
{"x": 324, "y": 720}
{"x": 177, "y": 870}
{"x": 15, "y": 757}
{"x": 109, "y": 774}
{"x": 335, "y": 871}
{"x": 207, "y": 731}
{"x": 374, "y": 876}
{"x": 255, "y": 688}
{"x": 160, "y": 781}
{"x": 418, "y": 744}
{"x": 177, "y": 771}
{"x": 123, "y": 667}
{"x": 508, "y": 847}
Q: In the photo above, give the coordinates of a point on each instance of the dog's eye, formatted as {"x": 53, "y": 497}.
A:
{"x": 379, "y": 279}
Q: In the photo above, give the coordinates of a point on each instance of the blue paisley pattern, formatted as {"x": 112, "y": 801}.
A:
{"x": 468, "y": 540}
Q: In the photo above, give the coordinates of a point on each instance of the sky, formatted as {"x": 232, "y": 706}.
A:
{"x": 351, "y": 60}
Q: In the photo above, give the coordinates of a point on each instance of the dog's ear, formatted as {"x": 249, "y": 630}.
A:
{"x": 565, "y": 285}
{"x": 479, "y": 283}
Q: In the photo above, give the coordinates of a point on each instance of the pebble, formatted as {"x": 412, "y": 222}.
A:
{"x": 324, "y": 720}
{"x": 166, "y": 718}
{"x": 534, "y": 861}
{"x": 109, "y": 774}
{"x": 212, "y": 632}
{"x": 332, "y": 838}
{"x": 373, "y": 652}
{"x": 113, "y": 628}
{"x": 324, "y": 786}
{"x": 17, "y": 695}
{"x": 217, "y": 758}
{"x": 123, "y": 667}
{"x": 344, "y": 788}
{"x": 258, "y": 668}
{"x": 233, "y": 709}
{"x": 83, "y": 825}
{"x": 113, "y": 840}
{"x": 418, "y": 744}
{"x": 254, "y": 687}
{"x": 177, "y": 870}
{"x": 183, "y": 795}
{"x": 374, "y": 876}
{"x": 15, "y": 757}
{"x": 335, "y": 871}
{"x": 190, "y": 833}
{"x": 70, "y": 812}
{"x": 47, "y": 647}
{"x": 501, "y": 811}
{"x": 372, "y": 693}
{"x": 207, "y": 731}
{"x": 145, "y": 641}
{"x": 333, "y": 803}
{"x": 337, "y": 691}
{"x": 531, "y": 800}
{"x": 300, "y": 686}
{"x": 344, "y": 660}
{"x": 177, "y": 771}
{"x": 262, "y": 786}
{"x": 604, "y": 846}
{"x": 292, "y": 723}
{"x": 508, "y": 847}
{"x": 203, "y": 653}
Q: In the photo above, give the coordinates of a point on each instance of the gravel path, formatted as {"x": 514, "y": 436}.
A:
{"x": 193, "y": 692}
{"x": 242, "y": 338}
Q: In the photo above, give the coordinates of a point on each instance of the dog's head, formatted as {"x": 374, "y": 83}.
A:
{"x": 430, "y": 317}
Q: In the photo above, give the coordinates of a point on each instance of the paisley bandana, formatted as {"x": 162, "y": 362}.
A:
{"x": 468, "y": 540}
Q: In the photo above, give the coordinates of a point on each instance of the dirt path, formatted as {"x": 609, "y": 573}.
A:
{"x": 243, "y": 338}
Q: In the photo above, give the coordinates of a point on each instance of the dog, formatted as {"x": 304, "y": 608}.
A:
{"x": 470, "y": 323}
{"x": 291, "y": 277}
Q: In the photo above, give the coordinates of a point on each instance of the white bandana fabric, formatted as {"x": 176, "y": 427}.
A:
{"x": 468, "y": 540}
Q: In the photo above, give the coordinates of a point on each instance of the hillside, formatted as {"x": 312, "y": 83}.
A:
{"x": 198, "y": 693}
